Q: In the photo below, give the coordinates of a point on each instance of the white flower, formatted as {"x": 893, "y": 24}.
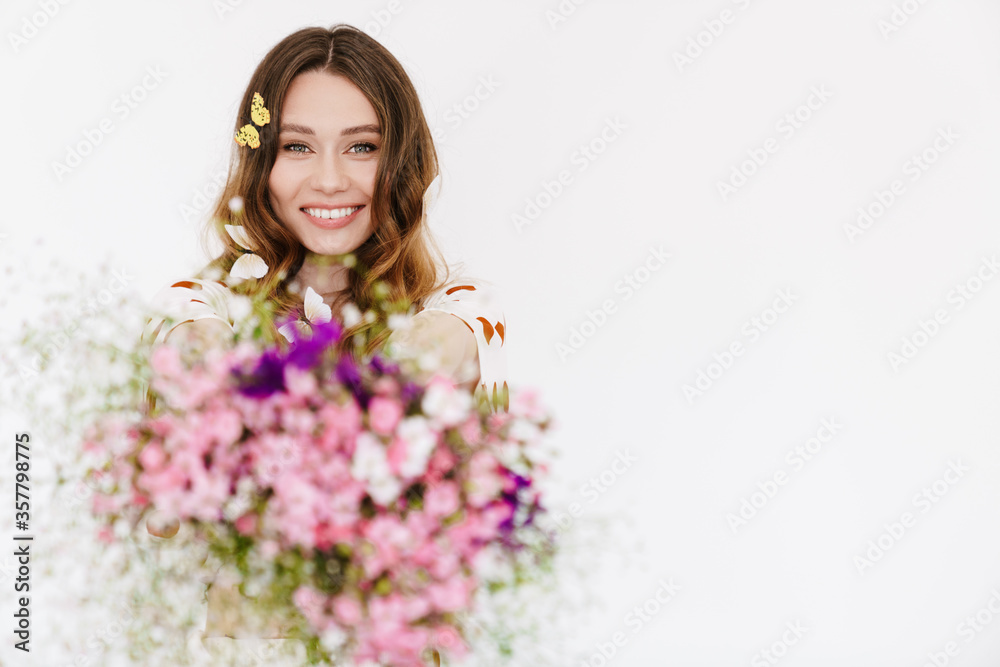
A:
{"x": 248, "y": 265}
{"x": 333, "y": 638}
{"x": 399, "y": 322}
{"x": 238, "y": 504}
{"x": 525, "y": 431}
{"x": 449, "y": 406}
{"x": 240, "y": 306}
{"x": 384, "y": 490}
{"x": 420, "y": 439}
{"x": 369, "y": 457}
{"x": 351, "y": 314}
{"x": 236, "y": 204}
{"x": 213, "y": 274}
{"x": 371, "y": 465}
{"x": 491, "y": 564}
{"x": 241, "y": 310}
{"x": 429, "y": 360}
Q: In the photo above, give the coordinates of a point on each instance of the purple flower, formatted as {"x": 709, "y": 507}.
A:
{"x": 519, "y": 481}
{"x": 384, "y": 366}
{"x": 409, "y": 391}
{"x": 349, "y": 375}
{"x": 267, "y": 377}
{"x": 305, "y": 352}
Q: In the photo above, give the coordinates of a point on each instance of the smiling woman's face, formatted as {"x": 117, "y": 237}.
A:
{"x": 328, "y": 151}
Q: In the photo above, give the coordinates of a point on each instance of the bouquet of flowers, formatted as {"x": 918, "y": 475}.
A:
{"x": 364, "y": 510}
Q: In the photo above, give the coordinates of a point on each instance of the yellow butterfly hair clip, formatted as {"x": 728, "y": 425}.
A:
{"x": 258, "y": 114}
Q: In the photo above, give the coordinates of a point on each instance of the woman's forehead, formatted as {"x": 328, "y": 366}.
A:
{"x": 318, "y": 100}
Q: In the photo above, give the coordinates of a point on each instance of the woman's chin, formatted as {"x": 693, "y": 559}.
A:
{"x": 332, "y": 249}
{"x": 329, "y": 250}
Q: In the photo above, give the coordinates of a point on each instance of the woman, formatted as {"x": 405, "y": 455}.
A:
{"x": 334, "y": 156}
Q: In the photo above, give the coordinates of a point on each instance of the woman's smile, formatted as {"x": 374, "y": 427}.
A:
{"x": 331, "y": 218}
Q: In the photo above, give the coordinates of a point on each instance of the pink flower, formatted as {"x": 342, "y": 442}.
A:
{"x": 442, "y": 460}
{"x": 139, "y": 499}
{"x": 327, "y": 534}
{"x": 247, "y": 524}
{"x": 166, "y": 361}
{"x": 526, "y": 403}
{"x": 386, "y": 386}
{"x": 485, "y": 480}
{"x": 384, "y": 414}
{"x": 152, "y": 457}
{"x": 170, "y": 478}
{"x": 300, "y": 382}
{"x": 93, "y": 447}
{"x": 421, "y": 526}
{"x": 390, "y": 644}
{"x": 312, "y": 604}
{"x": 446, "y": 566}
{"x": 162, "y": 425}
{"x": 344, "y": 420}
{"x": 297, "y": 420}
{"x": 391, "y": 538}
{"x": 441, "y": 500}
{"x": 471, "y": 430}
{"x": 223, "y": 425}
{"x": 466, "y": 535}
{"x": 415, "y": 608}
{"x": 452, "y": 594}
{"x": 105, "y": 504}
{"x": 447, "y": 638}
{"x": 269, "y": 549}
{"x": 347, "y": 610}
{"x": 397, "y": 453}
{"x": 494, "y": 515}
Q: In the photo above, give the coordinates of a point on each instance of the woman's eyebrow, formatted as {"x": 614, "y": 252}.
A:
{"x": 357, "y": 129}
{"x": 360, "y": 129}
{"x": 292, "y": 127}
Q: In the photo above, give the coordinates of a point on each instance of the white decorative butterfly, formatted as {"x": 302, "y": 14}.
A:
{"x": 248, "y": 265}
{"x": 316, "y": 311}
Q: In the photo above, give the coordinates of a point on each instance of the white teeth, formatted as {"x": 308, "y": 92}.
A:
{"x": 331, "y": 214}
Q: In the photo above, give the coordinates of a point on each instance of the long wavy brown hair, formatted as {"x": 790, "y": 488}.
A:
{"x": 400, "y": 258}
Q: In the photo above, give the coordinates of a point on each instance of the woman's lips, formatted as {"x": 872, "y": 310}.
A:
{"x": 332, "y": 223}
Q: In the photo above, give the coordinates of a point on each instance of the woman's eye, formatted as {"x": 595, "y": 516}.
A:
{"x": 366, "y": 146}
{"x": 294, "y": 148}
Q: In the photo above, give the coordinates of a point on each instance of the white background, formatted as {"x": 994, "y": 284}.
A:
{"x": 685, "y": 127}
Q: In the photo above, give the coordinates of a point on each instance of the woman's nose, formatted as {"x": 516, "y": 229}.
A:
{"x": 330, "y": 175}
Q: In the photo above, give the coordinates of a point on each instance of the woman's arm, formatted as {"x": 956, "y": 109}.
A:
{"x": 442, "y": 337}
